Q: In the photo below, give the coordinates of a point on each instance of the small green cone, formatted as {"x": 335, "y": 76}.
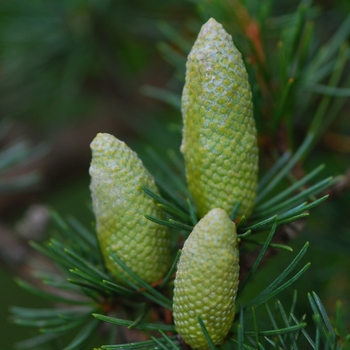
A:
{"x": 207, "y": 280}
{"x": 119, "y": 204}
{"x": 219, "y": 135}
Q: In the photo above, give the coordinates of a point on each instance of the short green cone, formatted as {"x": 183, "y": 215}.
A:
{"x": 119, "y": 204}
{"x": 207, "y": 280}
{"x": 219, "y": 135}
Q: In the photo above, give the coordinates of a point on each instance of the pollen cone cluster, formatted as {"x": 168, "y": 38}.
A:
{"x": 119, "y": 205}
{"x": 207, "y": 280}
{"x": 219, "y": 136}
{"x": 221, "y": 158}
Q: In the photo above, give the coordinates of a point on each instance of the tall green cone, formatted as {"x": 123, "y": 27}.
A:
{"x": 119, "y": 204}
{"x": 207, "y": 280}
{"x": 219, "y": 135}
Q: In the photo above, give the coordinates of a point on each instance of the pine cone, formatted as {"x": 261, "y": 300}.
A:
{"x": 207, "y": 280}
{"x": 119, "y": 204}
{"x": 219, "y": 135}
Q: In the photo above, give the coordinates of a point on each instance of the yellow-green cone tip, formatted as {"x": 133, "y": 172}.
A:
{"x": 219, "y": 135}
{"x": 119, "y": 205}
{"x": 207, "y": 280}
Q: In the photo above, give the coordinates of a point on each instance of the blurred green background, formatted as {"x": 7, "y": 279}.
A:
{"x": 72, "y": 68}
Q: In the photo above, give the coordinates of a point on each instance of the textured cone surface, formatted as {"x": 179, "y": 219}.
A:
{"x": 219, "y": 135}
{"x": 119, "y": 204}
{"x": 207, "y": 280}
